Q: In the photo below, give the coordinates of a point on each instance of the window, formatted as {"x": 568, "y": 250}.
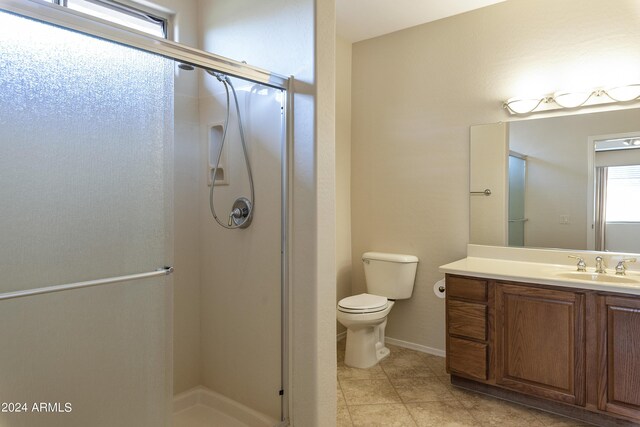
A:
{"x": 119, "y": 14}
{"x": 623, "y": 194}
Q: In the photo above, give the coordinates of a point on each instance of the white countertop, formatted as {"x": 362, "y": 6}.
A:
{"x": 542, "y": 273}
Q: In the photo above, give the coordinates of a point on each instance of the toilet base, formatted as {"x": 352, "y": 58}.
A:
{"x": 382, "y": 353}
{"x": 365, "y": 346}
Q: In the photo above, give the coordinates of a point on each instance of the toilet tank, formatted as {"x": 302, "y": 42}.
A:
{"x": 390, "y": 275}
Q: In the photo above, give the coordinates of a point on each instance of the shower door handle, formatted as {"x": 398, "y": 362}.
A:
{"x": 164, "y": 271}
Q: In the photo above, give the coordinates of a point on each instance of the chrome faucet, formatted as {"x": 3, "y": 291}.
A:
{"x": 582, "y": 266}
{"x": 621, "y": 268}
{"x": 600, "y": 265}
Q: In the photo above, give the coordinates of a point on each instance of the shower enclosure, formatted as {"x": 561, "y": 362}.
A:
{"x": 93, "y": 221}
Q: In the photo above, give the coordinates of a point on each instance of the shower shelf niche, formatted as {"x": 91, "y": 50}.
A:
{"x": 216, "y": 131}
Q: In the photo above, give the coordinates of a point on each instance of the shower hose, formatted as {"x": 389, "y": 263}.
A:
{"x": 235, "y": 212}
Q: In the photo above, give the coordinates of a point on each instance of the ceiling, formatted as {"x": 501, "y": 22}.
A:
{"x": 363, "y": 19}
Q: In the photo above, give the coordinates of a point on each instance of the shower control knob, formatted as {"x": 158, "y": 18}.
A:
{"x": 241, "y": 213}
{"x": 235, "y": 214}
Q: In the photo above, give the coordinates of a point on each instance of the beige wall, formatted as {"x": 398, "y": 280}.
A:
{"x": 320, "y": 383}
{"x": 343, "y": 171}
{"x": 417, "y": 91}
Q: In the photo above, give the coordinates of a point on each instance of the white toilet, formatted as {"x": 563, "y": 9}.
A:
{"x": 389, "y": 277}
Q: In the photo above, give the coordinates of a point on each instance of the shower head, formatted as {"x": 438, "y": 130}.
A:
{"x": 186, "y": 67}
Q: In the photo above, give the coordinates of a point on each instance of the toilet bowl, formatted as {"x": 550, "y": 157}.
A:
{"x": 388, "y": 277}
{"x": 365, "y": 329}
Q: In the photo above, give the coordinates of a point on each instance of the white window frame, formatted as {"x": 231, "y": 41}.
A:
{"x": 128, "y": 10}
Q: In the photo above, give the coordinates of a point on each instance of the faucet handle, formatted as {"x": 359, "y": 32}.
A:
{"x": 235, "y": 213}
{"x": 582, "y": 266}
{"x": 621, "y": 268}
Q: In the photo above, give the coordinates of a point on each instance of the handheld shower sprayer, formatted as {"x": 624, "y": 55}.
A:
{"x": 242, "y": 210}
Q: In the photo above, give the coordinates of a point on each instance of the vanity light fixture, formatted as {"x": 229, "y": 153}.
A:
{"x": 573, "y": 99}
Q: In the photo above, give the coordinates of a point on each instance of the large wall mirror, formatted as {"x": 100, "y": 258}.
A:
{"x": 570, "y": 182}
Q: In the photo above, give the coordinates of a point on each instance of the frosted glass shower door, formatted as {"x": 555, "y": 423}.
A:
{"x": 517, "y": 182}
{"x": 85, "y": 193}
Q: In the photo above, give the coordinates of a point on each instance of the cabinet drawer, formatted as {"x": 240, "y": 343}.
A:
{"x": 467, "y": 319}
{"x": 468, "y": 358}
{"x": 467, "y": 288}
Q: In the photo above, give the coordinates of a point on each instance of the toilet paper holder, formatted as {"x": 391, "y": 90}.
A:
{"x": 440, "y": 288}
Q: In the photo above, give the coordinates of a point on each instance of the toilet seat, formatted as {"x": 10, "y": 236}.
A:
{"x": 363, "y": 303}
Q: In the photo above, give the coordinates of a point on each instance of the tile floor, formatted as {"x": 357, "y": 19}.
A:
{"x": 410, "y": 388}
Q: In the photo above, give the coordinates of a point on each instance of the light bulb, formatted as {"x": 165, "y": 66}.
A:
{"x": 571, "y": 99}
{"x": 624, "y": 93}
{"x": 522, "y": 106}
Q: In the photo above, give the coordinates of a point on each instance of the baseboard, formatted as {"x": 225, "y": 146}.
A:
{"x": 416, "y": 347}
{"x": 203, "y": 396}
{"x": 341, "y": 336}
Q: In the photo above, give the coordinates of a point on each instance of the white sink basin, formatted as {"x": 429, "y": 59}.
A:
{"x": 597, "y": 277}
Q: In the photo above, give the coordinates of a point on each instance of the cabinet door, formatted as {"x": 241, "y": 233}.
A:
{"x": 540, "y": 342}
{"x": 619, "y": 356}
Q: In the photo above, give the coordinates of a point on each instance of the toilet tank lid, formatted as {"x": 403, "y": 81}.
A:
{"x": 381, "y": 256}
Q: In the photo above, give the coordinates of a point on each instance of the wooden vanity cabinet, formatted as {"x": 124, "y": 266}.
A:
{"x": 619, "y": 355}
{"x": 540, "y": 342}
{"x": 561, "y": 349}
